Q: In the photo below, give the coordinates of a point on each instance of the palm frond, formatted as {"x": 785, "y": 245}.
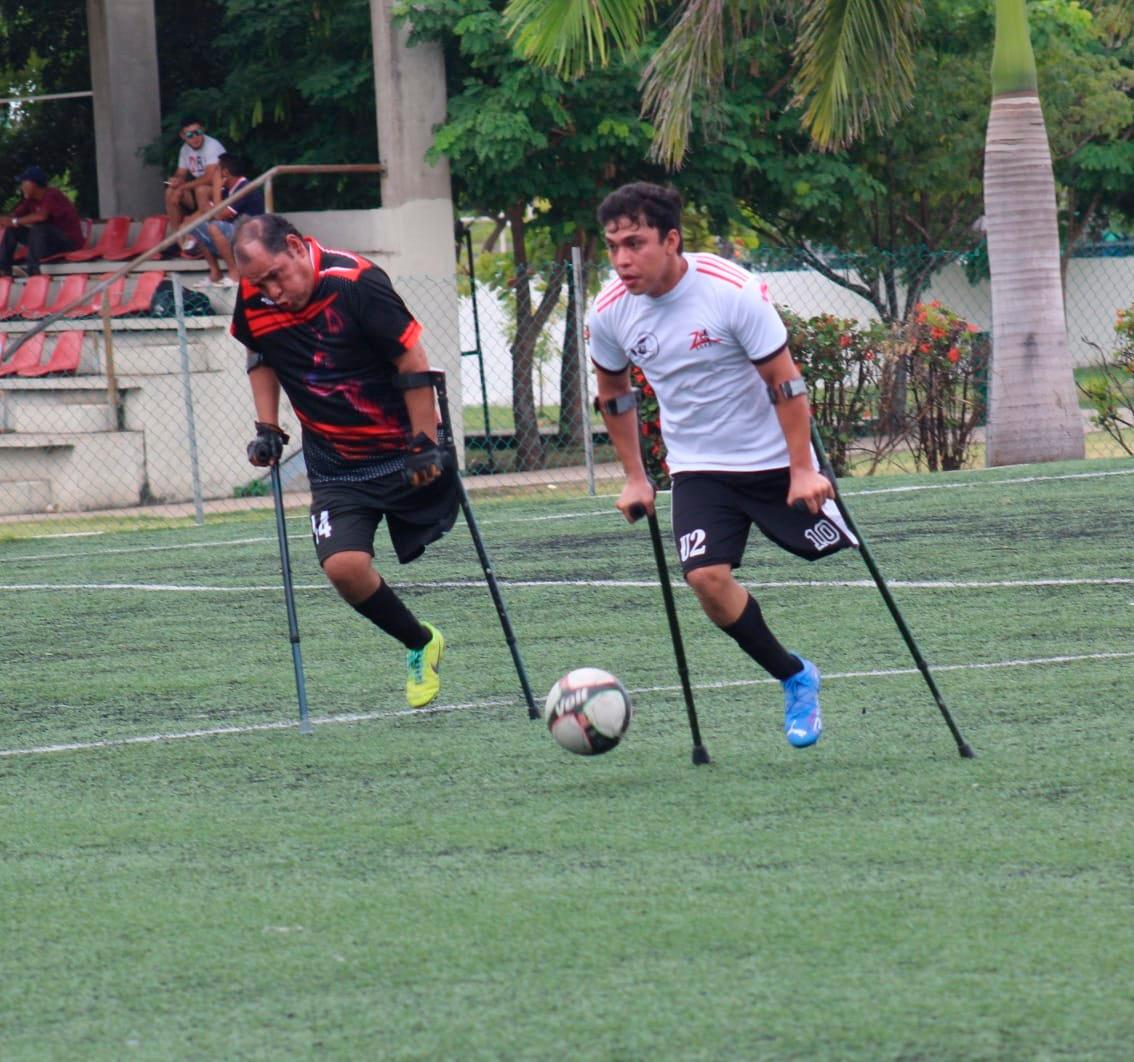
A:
{"x": 855, "y": 65}
{"x": 569, "y": 36}
{"x": 689, "y": 61}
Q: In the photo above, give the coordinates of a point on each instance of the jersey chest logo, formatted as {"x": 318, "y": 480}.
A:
{"x": 645, "y": 348}
{"x": 701, "y": 338}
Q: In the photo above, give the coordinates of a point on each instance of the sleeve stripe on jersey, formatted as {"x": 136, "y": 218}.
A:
{"x": 703, "y": 267}
{"x": 411, "y": 335}
{"x": 610, "y": 296}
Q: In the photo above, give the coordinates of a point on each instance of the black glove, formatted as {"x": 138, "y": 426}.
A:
{"x": 267, "y": 447}
{"x": 424, "y": 462}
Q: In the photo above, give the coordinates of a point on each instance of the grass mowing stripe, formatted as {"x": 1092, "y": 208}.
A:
{"x": 443, "y": 709}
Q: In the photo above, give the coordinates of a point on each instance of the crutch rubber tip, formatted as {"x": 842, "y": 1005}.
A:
{"x": 533, "y": 712}
{"x": 966, "y": 751}
{"x": 700, "y": 755}
{"x": 306, "y": 728}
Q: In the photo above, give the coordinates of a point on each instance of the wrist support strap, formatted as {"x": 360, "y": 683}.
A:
{"x": 408, "y": 381}
{"x": 618, "y": 404}
{"x": 788, "y": 389}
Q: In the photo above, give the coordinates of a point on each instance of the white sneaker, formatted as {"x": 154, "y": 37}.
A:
{"x": 202, "y": 284}
{"x": 224, "y": 282}
{"x": 189, "y": 243}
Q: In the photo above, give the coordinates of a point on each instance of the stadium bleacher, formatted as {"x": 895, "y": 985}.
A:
{"x": 67, "y": 277}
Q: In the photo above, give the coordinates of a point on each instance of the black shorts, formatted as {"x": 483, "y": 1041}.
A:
{"x": 345, "y": 514}
{"x": 714, "y": 511}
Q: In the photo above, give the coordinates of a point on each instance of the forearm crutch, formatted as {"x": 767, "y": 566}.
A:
{"x": 436, "y": 378}
{"x": 963, "y": 746}
{"x": 289, "y": 598}
{"x": 700, "y": 753}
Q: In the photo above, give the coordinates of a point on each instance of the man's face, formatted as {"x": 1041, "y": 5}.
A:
{"x": 193, "y": 134}
{"x": 287, "y": 278}
{"x": 29, "y": 189}
{"x": 645, "y": 261}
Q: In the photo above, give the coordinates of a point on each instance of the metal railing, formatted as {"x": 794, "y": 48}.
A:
{"x": 264, "y": 180}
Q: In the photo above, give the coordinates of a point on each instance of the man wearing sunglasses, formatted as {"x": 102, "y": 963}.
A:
{"x": 196, "y": 184}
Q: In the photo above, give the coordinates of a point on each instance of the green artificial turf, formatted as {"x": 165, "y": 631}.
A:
{"x": 454, "y": 885}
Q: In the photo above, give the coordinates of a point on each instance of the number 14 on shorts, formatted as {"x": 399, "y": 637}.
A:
{"x": 321, "y": 526}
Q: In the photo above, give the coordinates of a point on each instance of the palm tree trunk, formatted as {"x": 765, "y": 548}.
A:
{"x": 1033, "y": 412}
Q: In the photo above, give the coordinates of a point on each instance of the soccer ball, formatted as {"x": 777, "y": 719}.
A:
{"x": 588, "y": 711}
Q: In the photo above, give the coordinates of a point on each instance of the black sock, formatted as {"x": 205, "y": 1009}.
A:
{"x": 386, "y": 610}
{"x": 751, "y": 633}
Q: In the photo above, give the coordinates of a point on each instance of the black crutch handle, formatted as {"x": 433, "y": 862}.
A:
{"x": 635, "y": 513}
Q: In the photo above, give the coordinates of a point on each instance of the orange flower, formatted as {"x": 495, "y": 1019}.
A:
{"x": 954, "y": 355}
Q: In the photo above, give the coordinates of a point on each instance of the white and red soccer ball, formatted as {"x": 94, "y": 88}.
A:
{"x": 587, "y": 711}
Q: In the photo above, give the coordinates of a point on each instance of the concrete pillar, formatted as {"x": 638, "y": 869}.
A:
{"x": 409, "y": 85}
{"x": 127, "y": 104}
{"x": 417, "y": 198}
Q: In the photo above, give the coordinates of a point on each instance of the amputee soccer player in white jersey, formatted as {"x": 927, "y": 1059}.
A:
{"x": 734, "y": 416}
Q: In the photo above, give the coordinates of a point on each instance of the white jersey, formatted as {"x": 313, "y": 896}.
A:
{"x": 696, "y": 345}
{"x": 197, "y": 160}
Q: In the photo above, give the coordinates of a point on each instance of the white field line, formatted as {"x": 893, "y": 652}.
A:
{"x": 609, "y": 511}
{"x": 540, "y": 584}
{"x": 364, "y": 717}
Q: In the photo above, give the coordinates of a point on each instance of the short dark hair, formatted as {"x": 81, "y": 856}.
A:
{"x": 190, "y": 120}
{"x": 269, "y": 230}
{"x": 233, "y": 163}
{"x": 648, "y": 204}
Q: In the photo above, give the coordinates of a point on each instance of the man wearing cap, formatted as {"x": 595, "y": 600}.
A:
{"x": 45, "y": 220}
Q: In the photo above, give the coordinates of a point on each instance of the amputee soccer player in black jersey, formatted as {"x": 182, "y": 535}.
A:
{"x": 328, "y": 327}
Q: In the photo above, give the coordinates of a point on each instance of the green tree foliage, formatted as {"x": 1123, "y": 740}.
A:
{"x": 539, "y": 152}
{"x": 43, "y": 50}
{"x": 283, "y": 83}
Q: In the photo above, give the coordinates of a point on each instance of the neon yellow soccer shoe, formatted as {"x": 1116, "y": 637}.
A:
{"x": 423, "y": 667}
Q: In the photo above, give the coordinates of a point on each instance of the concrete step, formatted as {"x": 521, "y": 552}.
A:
{"x": 25, "y": 496}
{"x": 63, "y": 418}
{"x": 153, "y": 359}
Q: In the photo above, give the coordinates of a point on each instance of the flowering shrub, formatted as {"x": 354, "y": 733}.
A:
{"x": 946, "y": 361}
{"x": 1110, "y": 388}
{"x": 649, "y": 418}
{"x": 842, "y": 364}
{"x": 1124, "y": 333}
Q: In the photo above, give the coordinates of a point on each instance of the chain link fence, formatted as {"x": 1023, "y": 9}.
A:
{"x": 142, "y": 404}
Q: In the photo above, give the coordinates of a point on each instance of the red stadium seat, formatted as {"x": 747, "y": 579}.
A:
{"x": 73, "y": 287}
{"x": 112, "y": 240}
{"x": 5, "y": 293}
{"x": 64, "y": 357}
{"x": 93, "y": 306}
{"x": 88, "y": 230}
{"x": 26, "y": 357}
{"x": 32, "y": 299}
{"x": 151, "y": 233}
{"x": 141, "y": 301}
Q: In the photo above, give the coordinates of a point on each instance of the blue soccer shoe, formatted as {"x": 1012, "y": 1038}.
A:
{"x": 803, "y": 721}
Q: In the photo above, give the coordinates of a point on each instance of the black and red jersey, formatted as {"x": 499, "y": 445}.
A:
{"x": 335, "y": 360}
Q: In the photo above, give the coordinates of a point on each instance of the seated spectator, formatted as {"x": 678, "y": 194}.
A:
{"x": 45, "y": 219}
{"x": 215, "y": 237}
{"x": 195, "y": 185}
